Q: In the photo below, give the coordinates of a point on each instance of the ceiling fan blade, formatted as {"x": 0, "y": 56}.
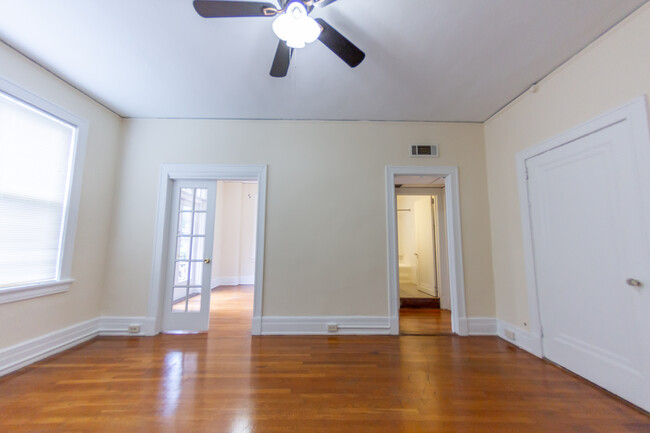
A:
{"x": 323, "y": 3}
{"x": 281, "y": 60}
{"x": 346, "y": 50}
{"x": 220, "y": 9}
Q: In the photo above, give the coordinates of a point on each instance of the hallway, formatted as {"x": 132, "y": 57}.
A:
{"x": 231, "y": 311}
{"x": 424, "y": 321}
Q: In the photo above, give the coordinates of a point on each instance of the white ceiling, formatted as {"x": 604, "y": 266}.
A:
{"x": 426, "y": 60}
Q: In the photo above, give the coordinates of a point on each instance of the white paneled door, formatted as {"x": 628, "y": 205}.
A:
{"x": 187, "y": 289}
{"x": 425, "y": 255}
{"x": 591, "y": 248}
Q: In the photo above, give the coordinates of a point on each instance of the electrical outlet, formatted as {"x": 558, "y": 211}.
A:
{"x": 510, "y": 334}
{"x": 134, "y": 329}
{"x": 332, "y": 327}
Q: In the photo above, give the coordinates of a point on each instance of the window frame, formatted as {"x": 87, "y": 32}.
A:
{"x": 71, "y": 212}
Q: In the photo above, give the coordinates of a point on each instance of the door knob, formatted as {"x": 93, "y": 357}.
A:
{"x": 206, "y": 261}
{"x": 634, "y": 283}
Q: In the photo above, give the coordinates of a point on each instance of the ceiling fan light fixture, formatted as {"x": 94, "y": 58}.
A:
{"x": 295, "y": 27}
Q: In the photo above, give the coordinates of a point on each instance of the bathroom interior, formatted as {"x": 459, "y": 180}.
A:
{"x": 425, "y": 302}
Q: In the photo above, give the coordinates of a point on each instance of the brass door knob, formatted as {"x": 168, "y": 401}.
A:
{"x": 206, "y": 261}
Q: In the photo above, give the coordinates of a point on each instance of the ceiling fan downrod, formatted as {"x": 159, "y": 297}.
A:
{"x": 292, "y": 25}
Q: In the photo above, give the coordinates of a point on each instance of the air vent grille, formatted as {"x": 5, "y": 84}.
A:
{"x": 430, "y": 150}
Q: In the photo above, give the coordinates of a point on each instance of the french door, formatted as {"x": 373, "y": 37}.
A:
{"x": 187, "y": 288}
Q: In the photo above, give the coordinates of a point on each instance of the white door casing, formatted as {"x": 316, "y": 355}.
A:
{"x": 442, "y": 261}
{"x": 214, "y": 172}
{"x": 586, "y": 233}
{"x": 186, "y": 306}
{"x": 454, "y": 243}
{"x": 435, "y": 244}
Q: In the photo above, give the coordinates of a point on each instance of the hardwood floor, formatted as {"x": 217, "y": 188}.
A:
{"x": 410, "y": 290}
{"x": 226, "y": 381}
{"x": 424, "y": 321}
{"x": 419, "y": 303}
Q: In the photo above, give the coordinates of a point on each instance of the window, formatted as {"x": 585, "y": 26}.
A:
{"x": 40, "y": 167}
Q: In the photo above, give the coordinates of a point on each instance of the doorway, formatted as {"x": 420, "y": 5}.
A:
{"x": 211, "y": 255}
{"x": 425, "y": 307}
{"x": 586, "y": 242}
{"x": 233, "y": 264}
{"x": 173, "y": 178}
{"x": 437, "y": 180}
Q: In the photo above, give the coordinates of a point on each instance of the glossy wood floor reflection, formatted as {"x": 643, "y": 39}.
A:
{"x": 424, "y": 321}
{"x": 228, "y": 382}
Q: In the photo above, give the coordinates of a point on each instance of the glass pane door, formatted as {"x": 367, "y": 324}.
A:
{"x": 192, "y": 225}
{"x": 190, "y": 243}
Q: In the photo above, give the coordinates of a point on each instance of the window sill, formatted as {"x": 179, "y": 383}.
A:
{"x": 34, "y": 290}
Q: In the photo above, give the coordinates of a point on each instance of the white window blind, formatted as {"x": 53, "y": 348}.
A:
{"x": 36, "y": 153}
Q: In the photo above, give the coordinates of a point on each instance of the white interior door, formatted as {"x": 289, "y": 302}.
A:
{"x": 424, "y": 246}
{"x": 591, "y": 248}
{"x": 187, "y": 290}
{"x": 435, "y": 229}
{"x": 442, "y": 259}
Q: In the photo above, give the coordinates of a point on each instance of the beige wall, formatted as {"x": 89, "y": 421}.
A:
{"x": 610, "y": 72}
{"x": 31, "y": 318}
{"x": 325, "y": 222}
{"x": 233, "y": 254}
{"x": 326, "y": 228}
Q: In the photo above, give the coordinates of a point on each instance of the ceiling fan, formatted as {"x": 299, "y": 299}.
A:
{"x": 293, "y": 26}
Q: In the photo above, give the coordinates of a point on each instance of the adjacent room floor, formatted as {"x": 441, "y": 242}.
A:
{"x": 410, "y": 290}
{"x": 424, "y": 321}
{"x": 227, "y": 381}
{"x": 420, "y": 312}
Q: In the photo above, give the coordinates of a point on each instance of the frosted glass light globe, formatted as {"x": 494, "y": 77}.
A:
{"x": 295, "y": 27}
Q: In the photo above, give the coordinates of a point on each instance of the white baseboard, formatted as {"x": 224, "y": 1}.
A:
{"x": 231, "y": 281}
{"x": 521, "y": 338}
{"x": 22, "y": 354}
{"x": 257, "y": 326}
{"x": 118, "y": 325}
{"x": 394, "y": 325}
{"x": 356, "y": 325}
{"x": 481, "y": 326}
{"x": 347, "y": 325}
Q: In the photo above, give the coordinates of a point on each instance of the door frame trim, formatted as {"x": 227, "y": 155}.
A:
{"x": 168, "y": 174}
{"x": 636, "y": 114}
{"x": 454, "y": 243}
{"x": 432, "y": 191}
